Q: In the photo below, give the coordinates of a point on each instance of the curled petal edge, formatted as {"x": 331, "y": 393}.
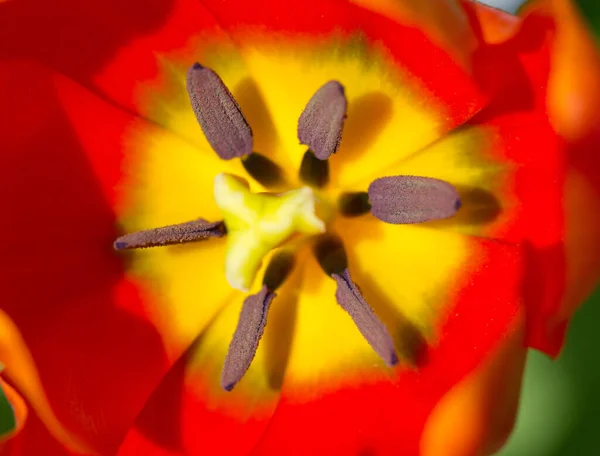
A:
{"x": 573, "y": 96}
{"x": 485, "y": 403}
{"x": 22, "y": 372}
{"x": 19, "y": 408}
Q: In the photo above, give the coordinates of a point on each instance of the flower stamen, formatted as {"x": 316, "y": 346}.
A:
{"x": 218, "y": 114}
{"x": 247, "y": 335}
{"x": 252, "y": 321}
{"x": 412, "y": 199}
{"x": 331, "y": 255}
{"x": 196, "y": 230}
{"x": 322, "y": 121}
{"x": 370, "y": 326}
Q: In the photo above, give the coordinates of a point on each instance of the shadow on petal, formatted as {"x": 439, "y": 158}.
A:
{"x": 410, "y": 341}
{"x": 160, "y": 420}
{"x": 368, "y": 115}
{"x": 248, "y": 96}
{"x": 279, "y": 333}
{"x": 478, "y": 207}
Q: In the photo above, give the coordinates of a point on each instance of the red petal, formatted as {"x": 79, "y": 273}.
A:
{"x": 571, "y": 96}
{"x": 564, "y": 240}
{"x": 492, "y": 24}
{"x": 485, "y": 404}
{"x": 444, "y": 21}
{"x": 34, "y": 439}
{"x": 145, "y": 74}
{"x": 73, "y": 37}
{"x": 186, "y": 414}
{"x": 191, "y": 414}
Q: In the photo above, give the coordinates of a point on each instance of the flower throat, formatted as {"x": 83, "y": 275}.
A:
{"x": 257, "y": 223}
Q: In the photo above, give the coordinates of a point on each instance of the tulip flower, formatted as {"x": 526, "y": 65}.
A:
{"x": 318, "y": 227}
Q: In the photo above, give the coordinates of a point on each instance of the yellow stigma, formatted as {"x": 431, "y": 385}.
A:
{"x": 258, "y": 222}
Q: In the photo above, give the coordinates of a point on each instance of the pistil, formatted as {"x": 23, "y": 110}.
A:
{"x": 258, "y": 222}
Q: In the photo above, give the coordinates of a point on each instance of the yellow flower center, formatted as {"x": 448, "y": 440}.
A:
{"x": 257, "y": 223}
{"x": 404, "y": 271}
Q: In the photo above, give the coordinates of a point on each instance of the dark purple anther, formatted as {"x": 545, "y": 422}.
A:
{"x": 370, "y": 326}
{"x": 196, "y": 230}
{"x": 321, "y": 123}
{"x": 218, "y": 114}
{"x": 243, "y": 346}
{"x": 412, "y": 199}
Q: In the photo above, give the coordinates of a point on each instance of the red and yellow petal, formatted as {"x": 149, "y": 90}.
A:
{"x": 484, "y": 403}
{"x": 76, "y": 38}
{"x": 190, "y": 413}
{"x": 101, "y": 328}
{"x": 269, "y": 51}
{"x": 346, "y": 402}
{"x": 336, "y": 394}
{"x": 509, "y": 168}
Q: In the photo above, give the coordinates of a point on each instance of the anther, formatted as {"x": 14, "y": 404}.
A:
{"x": 263, "y": 170}
{"x": 370, "y": 326}
{"x": 412, "y": 199}
{"x": 354, "y": 204}
{"x": 331, "y": 255}
{"x": 218, "y": 114}
{"x": 196, "y": 230}
{"x": 322, "y": 121}
{"x": 313, "y": 171}
{"x": 252, "y": 321}
{"x": 249, "y": 330}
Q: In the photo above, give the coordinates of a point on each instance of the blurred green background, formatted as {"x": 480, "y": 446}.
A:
{"x": 560, "y": 406}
